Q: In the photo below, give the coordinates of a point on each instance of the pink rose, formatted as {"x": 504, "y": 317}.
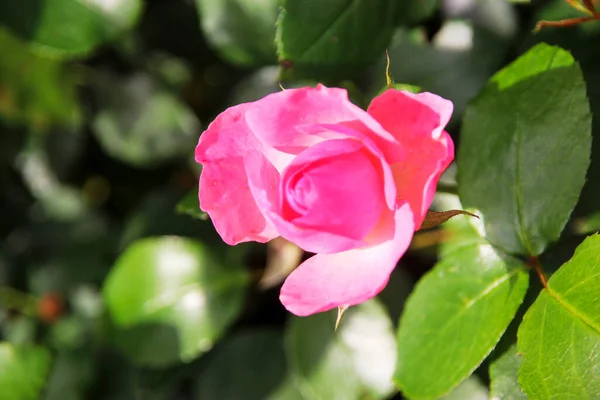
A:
{"x": 349, "y": 185}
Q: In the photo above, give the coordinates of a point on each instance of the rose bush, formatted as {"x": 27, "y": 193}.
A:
{"x": 351, "y": 186}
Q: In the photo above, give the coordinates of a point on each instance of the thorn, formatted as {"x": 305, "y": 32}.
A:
{"x": 341, "y": 311}
{"x": 388, "y": 79}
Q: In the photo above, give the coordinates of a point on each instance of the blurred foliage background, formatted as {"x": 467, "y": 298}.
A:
{"x": 111, "y": 287}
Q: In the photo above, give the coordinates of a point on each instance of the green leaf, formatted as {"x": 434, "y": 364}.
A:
{"x": 144, "y": 125}
{"x": 222, "y": 379}
{"x": 155, "y": 216}
{"x": 355, "y": 361}
{"x": 242, "y": 31}
{"x": 33, "y": 90}
{"x": 411, "y": 12}
{"x": 23, "y": 371}
{"x": 516, "y": 135}
{"x": 455, "y": 64}
{"x": 72, "y": 374}
{"x": 60, "y": 201}
{"x": 90, "y": 23}
{"x": 457, "y": 313}
{"x": 170, "y": 299}
{"x": 581, "y": 41}
{"x": 560, "y": 334}
{"x": 588, "y": 224}
{"x": 333, "y": 39}
{"x": 469, "y": 389}
{"x": 190, "y": 205}
{"x": 503, "y": 376}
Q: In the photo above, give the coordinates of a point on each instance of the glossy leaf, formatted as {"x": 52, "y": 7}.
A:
{"x": 143, "y": 124}
{"x": 23, "y": 371}
{"x": 457, "y": 313}
{"x": 242, "y": 31}
{"x": 560, "y": 334}
{"x": 333, "y": 39}
{"x": 221, "y": 379}
{"x": 504, "y": 378}
{"x": 355, "y": 361}
{"x": 170, "y": 299}
{"x": 511, "y": 159}
{"x": 90, "y": 23}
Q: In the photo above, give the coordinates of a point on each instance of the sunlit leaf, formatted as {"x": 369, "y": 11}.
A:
{"x": 242, "y": 31}
{"x": 23, "y": 371}
{"x": 560, "y": 334}
{"x": 358, "y": 359}
{"x": 43, "y": 23}
{"x": 457, "y": 313}
{"x": 170, "y": 299}
{"x": 515, "y": 174}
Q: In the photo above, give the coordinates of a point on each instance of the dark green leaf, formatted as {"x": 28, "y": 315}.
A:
{"x": 531, "y": 117}
{"x": 503, "y": 376}
{"x": 455, "y": 64}
{"x": 257, "y": 85}
{"x": 226, "y": 380}
{"x": 581, "y": 41}
{"x": 23, "y": 371}
{"x": 457, "y": 313}
{"x": 411, "y": 12}
{"x": 190, "y": 205}
{"x": 72, "y": 372}
{"x": 242, "y": 31}
{"x": 34, "y": 90}
{"x": 68, "y": 27}
{"x": 560, "y": 334}
{"x": 170, "y": 299}
{"x": 156, "y": 216}
{"x": 356, "y": 360}
{"x": 144, "y": 125}
{"x": 335, "y": 38}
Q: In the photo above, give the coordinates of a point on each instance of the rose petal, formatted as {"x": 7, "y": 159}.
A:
{"x": 224, "y": 192}
{"x": 326, "y": 281}
{"x": 264, "y": 181}
{"x": 347, "y": 130}
{"x": 334, "y": 186}
{"x": 278, "y": 119}
{"x": 417, "y": 121}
